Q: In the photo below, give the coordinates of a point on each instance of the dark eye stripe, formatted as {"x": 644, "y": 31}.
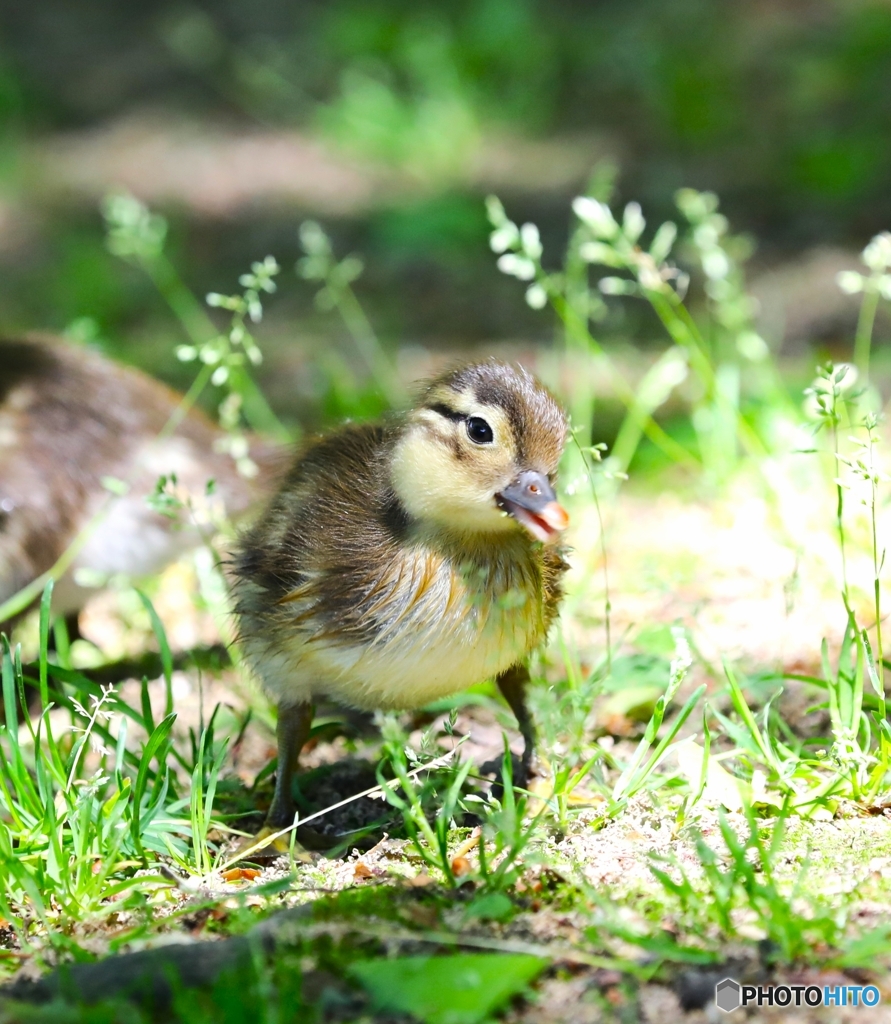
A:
{"x": 449, "y": 414}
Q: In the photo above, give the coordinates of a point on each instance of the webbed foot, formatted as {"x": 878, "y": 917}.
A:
{"x": 261, "y": 848}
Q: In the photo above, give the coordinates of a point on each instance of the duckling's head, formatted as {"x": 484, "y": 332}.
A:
{"x": 479, "y": 453}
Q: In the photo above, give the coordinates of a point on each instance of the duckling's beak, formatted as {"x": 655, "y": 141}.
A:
{"x": 530, "y": 500}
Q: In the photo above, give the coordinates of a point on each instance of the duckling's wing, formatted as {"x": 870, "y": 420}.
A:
{"x": 553, "y": 568}
{"x": 318, "y": 555}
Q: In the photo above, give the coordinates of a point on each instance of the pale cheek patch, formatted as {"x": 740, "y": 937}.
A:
{"x": 421, "y": 466}
{"x": 435, "y": 486}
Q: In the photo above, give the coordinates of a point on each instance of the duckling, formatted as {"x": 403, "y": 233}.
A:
{"x": 404, "y": 561}
{"x": 69, "y": 418}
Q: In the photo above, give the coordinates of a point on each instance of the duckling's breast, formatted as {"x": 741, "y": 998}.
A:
{"x": 433, "y": 622}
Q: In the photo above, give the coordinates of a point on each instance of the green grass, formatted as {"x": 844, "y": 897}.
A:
{"x": 114, "y": 822}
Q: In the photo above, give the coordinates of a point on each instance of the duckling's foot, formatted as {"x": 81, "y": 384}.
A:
{"x": 522, "y": 771}
{"x": 278, "y": 847}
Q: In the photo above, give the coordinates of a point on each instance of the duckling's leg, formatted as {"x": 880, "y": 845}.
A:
{"x": 292, "y": 731}
{"x": 512, "y": 684}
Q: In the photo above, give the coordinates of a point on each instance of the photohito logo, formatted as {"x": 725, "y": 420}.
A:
{"x": 729, "y": 994}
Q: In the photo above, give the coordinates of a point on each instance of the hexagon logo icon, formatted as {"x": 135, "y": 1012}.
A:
{"x": 727, "y": 995}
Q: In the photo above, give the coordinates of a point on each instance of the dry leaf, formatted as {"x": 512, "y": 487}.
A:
{"x": 241, "y": 874}
{"x": 422, "y": 916}
{"x": 460, "y": 866}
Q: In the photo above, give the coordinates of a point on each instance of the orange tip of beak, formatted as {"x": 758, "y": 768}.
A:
{"x": 545, "y": 525}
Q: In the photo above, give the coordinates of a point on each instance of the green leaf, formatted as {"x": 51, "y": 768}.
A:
{"x": 721, "y": 788}
{"x": 762, "y": 743}
{"x": 166, "y": 655}
{"x": 156, "y": 745}
{"x": 635, "y": 703}
{"x": 865, "y": 950}
{"x": 460, "y": 989}
{"x": 45, "y": 613}
{"x": 493, "y": 906}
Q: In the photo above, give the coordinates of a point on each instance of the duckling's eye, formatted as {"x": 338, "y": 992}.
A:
{"x": 479, "y": 431}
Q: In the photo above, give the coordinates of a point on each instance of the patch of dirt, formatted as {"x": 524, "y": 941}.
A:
{"x": 216, "y": 172}
{"x": 754, "y": 577}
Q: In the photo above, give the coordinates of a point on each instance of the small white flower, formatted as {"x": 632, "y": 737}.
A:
{"x": 696, "y": 205}
{"x": 313, "y": 238}
{"x": 238, "y": 447}
{"x": 536, "y": 296}
{"x": 663, "y": 240}
{"x": 705, "y": 235}
{"x": 599, "y": 252}
{"x": 504, "y": 237}
{"x": 715, "y": 264}
{"x": 531, "y": 241}
{"x": 247, "y": 467}
{"x": 516, "y": 266}
{"x": 877, "y": 255}
{"x": 495, "y": 211}
{"x": 683, "y": 656}
{"x": 615, "y": 286}
{"x": 596, "y": 215}
{"x": 649, "y": 276}
{"x": 849, "y": 281}
{"x": 633, "y": 222}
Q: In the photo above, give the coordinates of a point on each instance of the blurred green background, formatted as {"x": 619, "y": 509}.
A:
{"x": 390, "y": 120}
